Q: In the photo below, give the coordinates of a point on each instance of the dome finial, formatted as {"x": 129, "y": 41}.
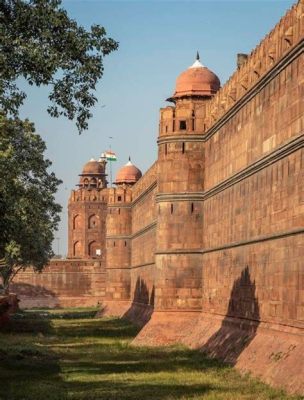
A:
{"x": 197, "y": 62}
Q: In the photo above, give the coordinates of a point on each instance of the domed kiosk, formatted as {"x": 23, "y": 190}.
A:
{"x": 129, "y": 174}
{"x": 93, "y": 174}
{"x": 196, "y": 81}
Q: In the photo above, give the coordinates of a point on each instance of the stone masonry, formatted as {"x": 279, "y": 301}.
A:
{"x": 207, "y": 247}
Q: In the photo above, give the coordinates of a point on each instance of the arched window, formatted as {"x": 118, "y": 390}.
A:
{"x": 76, "y": 221}
{"x": 93, "y": 182}
{"x": 93, "y": 221}
{"x": 92, "y": 248}
{"x": 77, "y": 249}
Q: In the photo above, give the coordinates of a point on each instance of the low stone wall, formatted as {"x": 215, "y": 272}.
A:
{"x": 63, "y": 283}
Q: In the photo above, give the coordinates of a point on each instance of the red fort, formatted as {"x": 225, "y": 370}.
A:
{"x": 206, "y": 248}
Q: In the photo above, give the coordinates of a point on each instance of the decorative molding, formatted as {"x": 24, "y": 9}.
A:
{"x": 259, "y": 239}
{"x": 180, "y": 138}
{"x": 183, "y": 196}
{"x": 280, "y": 152}
{"x": 179, "y": 251}
{"x": 136, "y": 234}
{"x": 114, "y": 237}
{"x": 122, "y": 205}
{"x": 144, "y": 230}
{"x": 143, "y": 265}
{"x": 145, "y": 193}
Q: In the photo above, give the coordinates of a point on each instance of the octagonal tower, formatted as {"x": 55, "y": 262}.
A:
{"x": 180, "y": 186}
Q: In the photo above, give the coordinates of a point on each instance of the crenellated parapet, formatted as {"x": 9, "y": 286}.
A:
{"x": 82, "y": 194}
{"x": 285, "y": 36}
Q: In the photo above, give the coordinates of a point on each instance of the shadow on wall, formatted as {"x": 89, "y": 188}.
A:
{"x": 240, "y": 324}
{"x": 142, "y": 305}
{"x": 34, "y": 295}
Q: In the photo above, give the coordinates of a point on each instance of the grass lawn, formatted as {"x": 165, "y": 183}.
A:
{"x": 68, "y": 354}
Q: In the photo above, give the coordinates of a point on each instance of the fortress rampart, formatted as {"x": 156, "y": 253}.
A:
{"x": 63, "y": 283}
{"x": 207, "y": 247}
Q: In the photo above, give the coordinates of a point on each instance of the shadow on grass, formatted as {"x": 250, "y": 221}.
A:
{"x": 34, "y": 358}
{"x": 28, "y": 369}
{"x": 46, "y": 357}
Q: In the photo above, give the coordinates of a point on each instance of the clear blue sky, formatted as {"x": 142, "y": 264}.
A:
{"x": 158, "y": 40}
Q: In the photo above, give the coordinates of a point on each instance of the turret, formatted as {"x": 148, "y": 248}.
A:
{"x": 87, "y": 213}
{"x": 119, "y": 226}
{"x": 180, "y": 186}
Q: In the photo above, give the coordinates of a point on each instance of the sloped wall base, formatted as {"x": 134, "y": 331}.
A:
{"x": 270, "y": 352}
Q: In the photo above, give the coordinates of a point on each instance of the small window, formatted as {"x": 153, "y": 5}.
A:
{"x": 166, "y": 128}
{"x": 166, "y": 149}
{"x": 113, "y": 244}
{"x": 118, "y": 198}
{"x": 183, "y": 148}
{"x": 125, "y": 244}
{"x": 192, "y": 208}
{"x": 182, "y": 125}
{"x": 119, "y": 211}
{"x": 171, "y": 208}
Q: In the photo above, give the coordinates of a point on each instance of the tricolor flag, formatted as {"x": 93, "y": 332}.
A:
{"x": 110, "y": 155}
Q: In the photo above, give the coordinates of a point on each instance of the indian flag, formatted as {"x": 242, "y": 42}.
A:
{"x": 110, "y": 155}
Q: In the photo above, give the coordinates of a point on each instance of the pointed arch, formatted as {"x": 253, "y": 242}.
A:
{"x": 92, "y": 247}
{"x": 77, "y": 249}
{"x": 76, "y": 221}
{"x": 93, "y": 221}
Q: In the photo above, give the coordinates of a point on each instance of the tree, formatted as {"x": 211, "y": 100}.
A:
{"x": 29, "y": 213}
{"x": 39, "y": 42}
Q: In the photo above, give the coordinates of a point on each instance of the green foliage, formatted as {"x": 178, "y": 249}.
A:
{"x": 29, "y": 213}
{"x": 39, "y": 42}
{"x": 53, "y": 355}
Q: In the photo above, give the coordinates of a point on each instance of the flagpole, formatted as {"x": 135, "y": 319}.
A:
{"x": 111, "y": 173}
{"x": 110, "y": 137}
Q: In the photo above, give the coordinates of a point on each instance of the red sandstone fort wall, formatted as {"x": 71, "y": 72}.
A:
{"x": 253, "y": 219}
{"x": 261, "y": 146}
{"x": 61, "y": 284}
{"x": 143, "y": 245}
